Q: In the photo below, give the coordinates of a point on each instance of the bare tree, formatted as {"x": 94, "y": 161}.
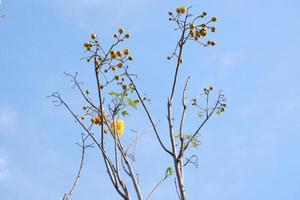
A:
{"x": 117, "y": 91}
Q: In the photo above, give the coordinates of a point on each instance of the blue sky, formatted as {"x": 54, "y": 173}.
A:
{"x": 250, "y": 152}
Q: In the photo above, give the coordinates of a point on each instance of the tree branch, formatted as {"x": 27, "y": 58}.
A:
{"x": 149, "y": 117}
{"x": 157, "y": 186}
{"x": 68, "y": 195}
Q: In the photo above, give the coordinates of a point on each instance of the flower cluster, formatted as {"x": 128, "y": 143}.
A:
{"x": 191, "y": 29}
{"x": 218, "y": 108}
{"x": 96, "y": 120}
{"x": 109, "y": 61}
{"x": 181, "y": 10}
{"x": 112, "y": 66}
{"x": 198, "y": 31}
{"x": 208, "y": 89}
{"x": 88, "y": 46}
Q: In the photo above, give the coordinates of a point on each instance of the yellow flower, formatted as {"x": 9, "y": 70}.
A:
{"x": 117, "y": 77}
{"x": 119, "y": 54}
{"x": 181, "y": 10}
{"x": 113, "y": 54}
{"x": 97, "y": 120}
{"x": 120, "y": 65}
{"x": 127, "y": 35}
{"x": 119, "y": 125}
{"x": 126, "y": 52}
{"x": 94, "y": 36}
{"x": 213, "y": 29}
{"x": 192, "y": 33}
{"x": 98, "y": 63}
{"x": 121, "y": 30}
{"x": 88, "y": 46}
{"x": 180, "y": 61}
{"x": 214, "y": 19}
{"x": 203, "y": 32}
{"x": 93, "y": 120}
{"x": 213, "y": 43}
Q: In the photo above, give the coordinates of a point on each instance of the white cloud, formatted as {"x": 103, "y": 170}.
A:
{"x": 229, "y": 61}
{"x": 3, "y": 168}
{"x": 8, "y": 119}
{"x": 231, "y": 58}
{"x": 83, "y": 11}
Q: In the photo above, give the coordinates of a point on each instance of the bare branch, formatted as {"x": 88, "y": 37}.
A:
{"x": 149, "y": 117}
{"x": 177, "y": 162}
{"x": 77, "y": 84}
{"x": 68, "y": 195}
{"x": 179, "y": 59}
{"x": 131, "y": 171}
{"x": 183, "y": 101}
{"x": 133, "y": 144}
{"x": 204, "y": 122}
{"x": 108, "y": 162}
{"x": 176, "y": 187}
{"x": 192, "y": 160}
{"x": 157, "y": 186}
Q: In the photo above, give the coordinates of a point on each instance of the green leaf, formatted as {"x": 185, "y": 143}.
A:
{"x": 114, "y": 94}
{"x": 124, "y": 113}
{"x": 218, "y": 113}
{"x": 131, "y": 89}
{"x": 132, "y": 103}
{"x": 200, "y": 114}
{"x": 188, "y": 136}
{"x": 169, "y": 171}
{"x": 196, "y": 144}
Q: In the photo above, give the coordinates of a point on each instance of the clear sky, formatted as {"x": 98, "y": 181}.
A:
{"x": 250, "y": 152}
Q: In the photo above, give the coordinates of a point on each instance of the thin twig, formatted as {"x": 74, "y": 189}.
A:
{"x": 184, "y": 106}
{"x": 107, "y": 159}
{"x": 149, "y": 117}
{"x": 157, "y": 186}
{"x": 177, "y": 192}
{"x": 203, "y": 123}
{"x": 83, "y": 147}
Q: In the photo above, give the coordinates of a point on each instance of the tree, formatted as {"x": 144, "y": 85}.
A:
{"x": 117, "y": 91}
